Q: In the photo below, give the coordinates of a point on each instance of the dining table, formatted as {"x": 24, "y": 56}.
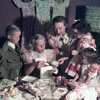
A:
{"x": 31, "y": 88}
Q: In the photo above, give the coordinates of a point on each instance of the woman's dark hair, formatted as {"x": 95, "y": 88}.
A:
{"x": 59, "y": 19}
{"x": 90, "y": 54}
{"x": 82, "y": 26}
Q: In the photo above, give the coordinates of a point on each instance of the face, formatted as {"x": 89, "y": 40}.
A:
{"x": 60, "y": 28}
{"x": 40, "y": 45}
{"x": 77, "y": 34}
{"x": 15, "y": 37}
{"x": 84, "y": 60}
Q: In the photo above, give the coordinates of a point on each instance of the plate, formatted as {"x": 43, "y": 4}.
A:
{"x": 29, "y": 78}
{"x": 59, "y": 92}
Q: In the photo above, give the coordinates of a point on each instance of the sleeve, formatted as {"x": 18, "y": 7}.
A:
{"x": 3, "y": 67}
{"x": 92, "y": 72}
{"x": 86, "y": 42}
{"x": 51, "y": 54}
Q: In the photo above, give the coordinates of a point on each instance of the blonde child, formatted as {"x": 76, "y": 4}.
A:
{"x": 38, "y": 57}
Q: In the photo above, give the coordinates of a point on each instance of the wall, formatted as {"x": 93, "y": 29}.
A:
{"x": 9, "y": 14}
{"x": 72, "y": 11}
{"x": 74, "y": 3}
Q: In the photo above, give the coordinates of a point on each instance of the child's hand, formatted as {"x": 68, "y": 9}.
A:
{"x": 71, "y": 80}
{"x": 80, "y": 85}
{"x": 74, "y": 52}
{"x": 61, "y": 60}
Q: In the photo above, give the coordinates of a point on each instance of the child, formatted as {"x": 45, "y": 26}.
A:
{"x": 39, "y": 57}
{"x": 10, "y": 60}
{"x": 82, "y": 31}
{"x": 89, "y": 82}
{"x": 61, "y": 40}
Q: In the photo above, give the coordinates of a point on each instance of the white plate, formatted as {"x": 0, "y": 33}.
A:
{"x": 29, "y": 78}
{"x": 59, "y": 92}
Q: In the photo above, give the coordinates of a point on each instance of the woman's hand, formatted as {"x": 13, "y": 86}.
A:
{"x": 40, "y": 64}
{"x": 74, "y": 52}
{"x": 61, "y": 60}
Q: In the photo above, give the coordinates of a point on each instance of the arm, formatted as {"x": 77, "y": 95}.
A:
{"x": 29, "y": 68}
{"x": 3, "y": 67}
{"x": 92, "y": 73}
{"x": 88, "y": 80}
{"x": 77, "y": 73}
{"x": 61, "y": 60}
{"x": 51, "y": 40}
{"x": 73, "y": 80}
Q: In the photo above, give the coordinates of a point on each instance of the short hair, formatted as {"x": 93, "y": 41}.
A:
{"x": 82, "y": 26}
{"x": 11, "y": 29}
{"x": 59, "y": 19}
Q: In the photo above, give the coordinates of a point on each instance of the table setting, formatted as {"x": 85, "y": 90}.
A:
{"x": 30, "y": 88}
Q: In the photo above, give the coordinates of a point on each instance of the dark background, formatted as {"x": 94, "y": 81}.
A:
{"x": 10, "y": 14}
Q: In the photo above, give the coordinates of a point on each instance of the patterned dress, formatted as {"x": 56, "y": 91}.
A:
{"x": 85, "y": 42}
{"x": 47, "y": 56}
{"x": 62, "y": 42}
{"x": 90, "y": 91}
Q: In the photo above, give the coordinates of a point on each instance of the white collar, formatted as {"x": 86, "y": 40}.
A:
{"x": 12, "y": 45}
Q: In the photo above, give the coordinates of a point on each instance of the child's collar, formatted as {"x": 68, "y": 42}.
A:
{"x": 12, "y": 45}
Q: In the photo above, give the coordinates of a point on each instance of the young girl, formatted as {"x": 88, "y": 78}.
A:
{"x": 82, "y": 32}
{"x": 38, "y": 57}
{"x": 61, "y": 40}
{"x": 89, "y": 78}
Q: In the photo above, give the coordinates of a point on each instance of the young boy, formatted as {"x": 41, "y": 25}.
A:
{"x": 10, "y": 54}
